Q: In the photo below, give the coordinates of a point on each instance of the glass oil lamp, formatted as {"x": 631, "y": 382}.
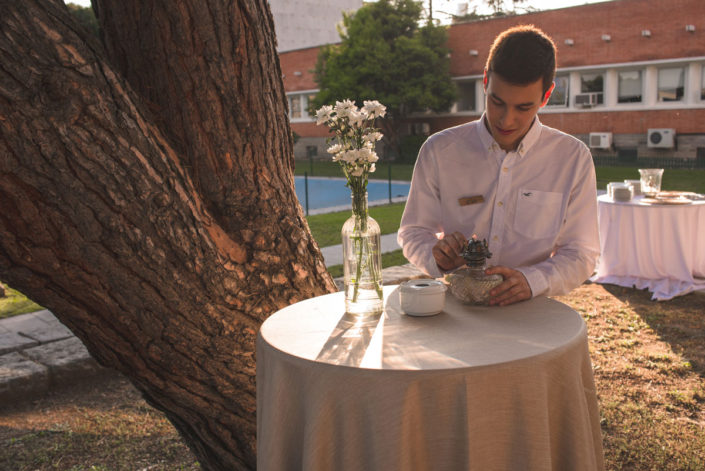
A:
{"x": 469, "y": 283}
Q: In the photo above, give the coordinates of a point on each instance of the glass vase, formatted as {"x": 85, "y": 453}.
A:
{"x": 362, "y": 261}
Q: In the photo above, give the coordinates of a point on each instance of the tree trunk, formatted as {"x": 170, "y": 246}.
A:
{"x": 160, "y": 225}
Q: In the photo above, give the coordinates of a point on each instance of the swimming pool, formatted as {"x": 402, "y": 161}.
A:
{"x": 332, "y": 192}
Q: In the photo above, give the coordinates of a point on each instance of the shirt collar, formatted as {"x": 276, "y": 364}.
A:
{"x": 526, "y": 143}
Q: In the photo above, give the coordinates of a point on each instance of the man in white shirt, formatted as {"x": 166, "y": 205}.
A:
{"x": 528, "y": 189}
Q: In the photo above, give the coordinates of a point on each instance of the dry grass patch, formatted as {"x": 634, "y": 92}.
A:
{"x": 649, "y": 364}
{"x": 99, "y": 425}
{"x": 648, "y": 358}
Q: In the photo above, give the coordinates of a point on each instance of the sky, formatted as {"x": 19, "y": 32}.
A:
{"x": 451, "y": 6}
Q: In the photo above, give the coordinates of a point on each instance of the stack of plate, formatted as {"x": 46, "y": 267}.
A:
{"x": 623, "y": 193}
{"x": 636, "y": 185}
{"x": 619, "y": 191}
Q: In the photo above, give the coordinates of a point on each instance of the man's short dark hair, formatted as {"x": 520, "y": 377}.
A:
{"x": 522, "y": 55}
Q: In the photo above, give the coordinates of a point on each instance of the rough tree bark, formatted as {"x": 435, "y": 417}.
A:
{"x": 160, "y": 225}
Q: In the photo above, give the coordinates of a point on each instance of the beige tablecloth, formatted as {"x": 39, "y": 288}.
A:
{"x": 656, "y": 247}
{"x": 473, "y": 388}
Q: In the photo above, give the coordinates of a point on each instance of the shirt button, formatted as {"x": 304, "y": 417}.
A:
{"x": 505, "y": 169}
{"x": 495, "y": 238}
{"x": 500, "y": 204}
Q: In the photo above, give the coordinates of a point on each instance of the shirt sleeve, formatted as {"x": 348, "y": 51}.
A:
{"x": 578, "y": 244}
{"x": 421, "y": 220}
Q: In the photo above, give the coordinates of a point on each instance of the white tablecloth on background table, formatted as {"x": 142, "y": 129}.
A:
{"x": 660, "y": 247}
{"x": 473, "y": 388}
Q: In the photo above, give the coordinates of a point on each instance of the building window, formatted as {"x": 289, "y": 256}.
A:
{"x": 295, "y": 106}
{"x": 466, "y": 95}
{"x": 671, "y": 84}
{"x": 298, "y": 106}
{"x": 591, "y": 90}
{"x": 560, "y": 94}
{"x": 630, "y": 88}
{"x": 309, "y": 102}
{"x": 702, "y": 84}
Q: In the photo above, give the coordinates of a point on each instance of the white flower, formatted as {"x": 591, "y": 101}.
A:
{"x": 357, "y": 118}
{"x": 323, "y": 114}
{"x": 365, "y": 154}
{"x": 374, "y": 108}
{"x": 335, "y": 148}
{"x": 372, "y": 136}
{"x": 368, "y": 155}
{"x": 354, "y": 144}
{"x": 349, "y": 156}
{"x": 344, "y": 108}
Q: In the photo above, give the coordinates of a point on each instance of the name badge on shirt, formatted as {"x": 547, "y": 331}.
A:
{"x": 468, "y": 200}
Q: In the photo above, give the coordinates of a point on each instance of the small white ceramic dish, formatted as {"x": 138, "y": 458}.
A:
{"x": 424, "y": 297}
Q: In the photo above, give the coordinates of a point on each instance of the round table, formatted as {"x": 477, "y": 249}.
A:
{"x": 472, "y": 388}
{"x": 659, "y": 247}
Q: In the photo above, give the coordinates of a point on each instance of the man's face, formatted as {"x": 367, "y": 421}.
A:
{"x": 510, "y": 109}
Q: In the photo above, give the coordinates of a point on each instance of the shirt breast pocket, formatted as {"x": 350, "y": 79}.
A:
{"x": 538, "y": 213}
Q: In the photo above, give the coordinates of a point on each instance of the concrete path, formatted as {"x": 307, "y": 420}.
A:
{"x": 38, "y": 352}
{"x": 333, "y": 255}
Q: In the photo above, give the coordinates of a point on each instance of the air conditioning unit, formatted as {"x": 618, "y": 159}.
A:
{"x": 661, "y": 138}
{"x": 600, "y": 140}
{"x": 588, "y": 100}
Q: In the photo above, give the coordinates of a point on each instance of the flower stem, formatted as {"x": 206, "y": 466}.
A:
{"x": 359, "y": 207}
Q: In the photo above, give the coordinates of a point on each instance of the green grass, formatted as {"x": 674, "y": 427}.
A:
{"x": 673, "y": 179}
{"x": 389, "y": 259}
{"x": 15, "y": 303}
{"x": 326, "y": 227}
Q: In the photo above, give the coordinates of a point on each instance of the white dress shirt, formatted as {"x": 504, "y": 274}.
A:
{"x": 536, "y": 206}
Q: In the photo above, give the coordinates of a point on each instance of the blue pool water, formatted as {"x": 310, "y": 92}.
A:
{"x": 331, "y": 192}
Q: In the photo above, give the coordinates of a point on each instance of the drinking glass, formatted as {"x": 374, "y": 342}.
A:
{"x": 650, "y": 181}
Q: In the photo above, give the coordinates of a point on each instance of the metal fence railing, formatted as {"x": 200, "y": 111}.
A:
{"x": 649, "y": 162}
{"x": 305, "y": 202}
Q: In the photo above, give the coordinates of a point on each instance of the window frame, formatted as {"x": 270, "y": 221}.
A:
{"x": 471, "y": 85}
{"x": 566, "y": 98}
{"x": 642, "y": 90}
{"x": 678, "y": 99}
{"x": 601, "y": 93}
{"x": 303, "y": 98}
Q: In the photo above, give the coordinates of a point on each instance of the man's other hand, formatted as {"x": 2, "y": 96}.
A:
{"x": 513, "y": 289}
{"x": 447, "y": 251}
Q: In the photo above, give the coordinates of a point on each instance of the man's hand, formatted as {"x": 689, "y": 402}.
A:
{"x": 447, "y": 251}
{"x": 513, "y": 289}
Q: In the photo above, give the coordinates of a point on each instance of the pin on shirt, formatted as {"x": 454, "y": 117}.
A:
{"x": 468, "y": 200}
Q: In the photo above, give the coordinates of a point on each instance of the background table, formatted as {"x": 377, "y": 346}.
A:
{"x": 473, "y": 388}
{"x": 660, "y": 247}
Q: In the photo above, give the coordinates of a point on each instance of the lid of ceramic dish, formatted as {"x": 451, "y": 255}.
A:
{"x": 423, "y": 286}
